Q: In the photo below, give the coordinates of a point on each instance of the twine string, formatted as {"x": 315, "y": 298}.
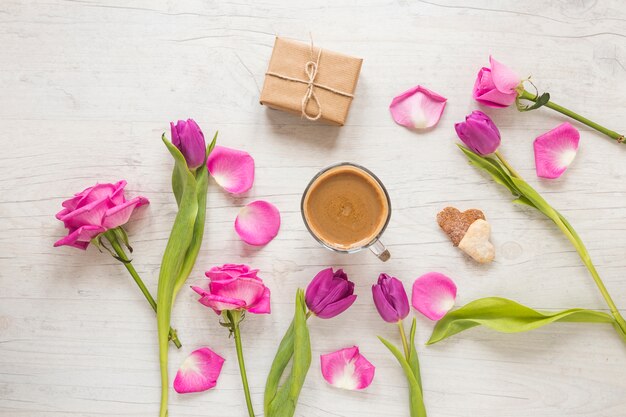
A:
{"x": 310, "y": 69}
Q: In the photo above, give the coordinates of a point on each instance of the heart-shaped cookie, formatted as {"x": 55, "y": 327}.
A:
{"x": 456, "y": 223}
{"x": 476, "y": 242}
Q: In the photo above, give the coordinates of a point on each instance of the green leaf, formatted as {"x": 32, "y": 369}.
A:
{"x": 180, "y": 169}
{"x": 175, "y": 252}
{"x": 540, "y": 101}
{"x": 508, "y": 316}
{"x": 413, "y": 358}
{"x": 416, "y": 401}
{"x": 281, "y": 401}
{"x": 486, "y": 165}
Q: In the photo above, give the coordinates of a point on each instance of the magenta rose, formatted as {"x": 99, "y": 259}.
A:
{"x": 96, "y": 210}
{"x": 496, "y": 86}
{"x": 235, "y": 287}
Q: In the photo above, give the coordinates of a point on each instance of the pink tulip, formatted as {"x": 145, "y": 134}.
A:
{"x": 189, "y": 139}
{"x": 96, "y": 210}
{"x": 235, "y": 287}
{"x": 479, "y": 133}
{"x": 496, "y": 86}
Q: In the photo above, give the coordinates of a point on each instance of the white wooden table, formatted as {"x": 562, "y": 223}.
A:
{"x": 88, "y": 86}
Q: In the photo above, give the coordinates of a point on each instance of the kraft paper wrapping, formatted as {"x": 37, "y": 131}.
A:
{"x": 333, "y": 86}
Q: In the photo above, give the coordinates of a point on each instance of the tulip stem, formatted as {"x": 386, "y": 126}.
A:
{"x": 578, "y": 244}
{"x": 123, "y": 258}
{"x": 405, "y": 343}
{"x": 610, "y": 133}
{"x": 234, "y": 318}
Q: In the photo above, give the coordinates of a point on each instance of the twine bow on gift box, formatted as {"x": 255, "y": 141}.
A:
{"x": 310, "y": 69}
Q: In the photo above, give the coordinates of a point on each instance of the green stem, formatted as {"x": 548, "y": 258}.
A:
{"x": 235, "y": 317}
{"x": 573, "y": 237}
{"x": 610, "y": 133}
{"x": 405, "y": 344}
{"x": 119, "y": 251}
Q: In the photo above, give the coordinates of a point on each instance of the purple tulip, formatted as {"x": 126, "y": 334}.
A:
{"x": 188, "y": 138}
{"x": 479, "y": 133}
{"x": 329, "y": 293}
{"x": 390, "y": 299}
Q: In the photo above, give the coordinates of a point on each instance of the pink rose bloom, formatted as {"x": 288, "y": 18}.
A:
{"x": 495, "y": 86}
{"x": 235, "y": 287}
{"x": 96, "y": 210}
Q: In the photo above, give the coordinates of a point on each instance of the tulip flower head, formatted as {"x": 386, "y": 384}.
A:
{"x": 479, "y": 133}
{"x": 329, "y": 293}
{"x": 390, "y": 299}
{"x": 189, "y": 139}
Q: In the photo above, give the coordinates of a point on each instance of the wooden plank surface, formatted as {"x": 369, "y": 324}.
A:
{"x": 88, "y": 86}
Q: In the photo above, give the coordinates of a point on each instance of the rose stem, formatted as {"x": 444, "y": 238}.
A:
{"x": 115, "y": 244}
{"x": 610, "y": 133}
{"x": 235, "y": 318}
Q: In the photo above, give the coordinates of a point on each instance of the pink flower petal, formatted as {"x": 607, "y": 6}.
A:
{"x": 504, "y": 78}
{"x": 217, "y": 302}
{"x": 199, "y": 371}
{"x": 347, "y": 369}
{"x": 249, "y": 290}
{"x": 555, "y": 150}
{"x": 258, "y": 223}
{"x": 417, "y": 108}
{"x": 90, "y": 214}
{"x": 119, "y": 215}
{"x": 433, "y": 295}
{"x": 262, "y": 304}
{"x": 80, "y": 237}
{"x": 232, "y": 169}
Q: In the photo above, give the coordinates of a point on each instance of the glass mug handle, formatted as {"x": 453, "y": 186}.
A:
{"x": 380, "y": 251}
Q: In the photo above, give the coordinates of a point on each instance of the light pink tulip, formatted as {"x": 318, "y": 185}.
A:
{"x": 235, "y": 287}
{"x": 495, "y": 86}
{"x": 96, "y": 210}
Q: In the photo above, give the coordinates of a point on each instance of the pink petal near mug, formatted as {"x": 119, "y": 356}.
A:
{"x": 232, "y": 169}
{"x": 199, "y": 371}
{"x": 347, "y": 369}
{"x": 555, "y": 150}
{"x": 433, "y": 295}
{"x": 258, "y": 223}
{"x": 417, "y": 108}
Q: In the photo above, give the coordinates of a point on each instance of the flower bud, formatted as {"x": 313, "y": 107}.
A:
{"x": 329, "y": 293}
{"x": 479, "y": 133}
{"x": 390, "y": 299}
{"x": 189, "y": 139}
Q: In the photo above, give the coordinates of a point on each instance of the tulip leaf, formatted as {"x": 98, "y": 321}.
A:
{"x": 507, "y": 316}
{"x": 416, "y": 401}
{"x": 413, "y": 359}
{"x": 180, "y": 169}
{"x": 281, "y": 400}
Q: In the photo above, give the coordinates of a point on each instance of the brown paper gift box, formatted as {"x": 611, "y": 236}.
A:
{"x": 287, "y": 81}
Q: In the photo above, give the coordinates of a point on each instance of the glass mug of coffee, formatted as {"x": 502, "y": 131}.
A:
{"x": 346, "y": 208}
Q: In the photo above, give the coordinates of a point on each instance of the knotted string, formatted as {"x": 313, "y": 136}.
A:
{"x": 310, "y": 69}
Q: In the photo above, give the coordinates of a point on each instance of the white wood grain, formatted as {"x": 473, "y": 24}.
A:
{"x": 89, "y": 85}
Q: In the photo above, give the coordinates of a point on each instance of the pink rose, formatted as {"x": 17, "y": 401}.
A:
{"x": 96, "y": 210}
{"x": 496, "y": 86}
{"x": 235, "y": 287}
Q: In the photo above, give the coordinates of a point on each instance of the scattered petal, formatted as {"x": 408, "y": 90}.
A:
{"x": 258, "y": 223}
{"x": 417, "y": 108}
{"x": 555, "y": 150}
{"x": 347, "y": 369}
{"x": 232, "y": 169}
{"x": 433, "y": 295}
{"x": 199, "y": 371}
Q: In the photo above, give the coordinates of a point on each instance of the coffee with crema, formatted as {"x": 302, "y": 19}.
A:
{"x": 345, "y": 207}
